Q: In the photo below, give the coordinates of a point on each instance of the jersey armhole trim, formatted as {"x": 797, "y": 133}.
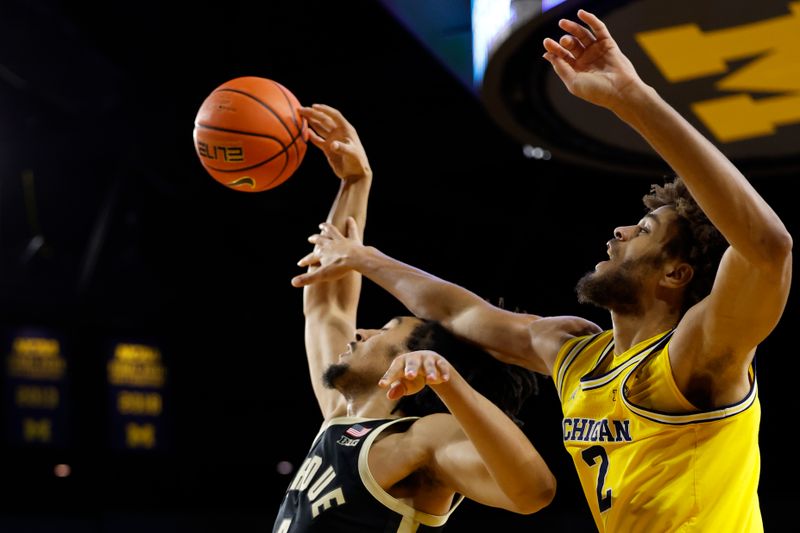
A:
{"x": 387, "y": 499}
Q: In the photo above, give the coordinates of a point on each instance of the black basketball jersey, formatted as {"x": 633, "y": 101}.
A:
{"x": 333, "y": 491}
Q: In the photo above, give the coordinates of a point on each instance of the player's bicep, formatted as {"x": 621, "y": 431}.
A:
{"x": 529, "y": 341}
{"x": 396, "y": 456}
{"x": 459, "y": 466}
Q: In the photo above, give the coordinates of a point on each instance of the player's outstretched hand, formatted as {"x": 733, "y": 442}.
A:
{"x": 337, "y": 138}
{"x": 589, "y": 62}
{"x": 410, "y": 372}
{"x": 329, "y": 259}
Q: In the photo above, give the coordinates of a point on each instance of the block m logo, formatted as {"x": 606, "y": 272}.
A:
{"x": 686, "y": 52}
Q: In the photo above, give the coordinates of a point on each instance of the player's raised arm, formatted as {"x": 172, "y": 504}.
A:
{"x": 719, "y": 335}
{"x": 330, "y": 307}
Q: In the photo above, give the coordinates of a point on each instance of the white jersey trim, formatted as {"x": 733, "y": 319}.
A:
{"x": 412, "y": 517}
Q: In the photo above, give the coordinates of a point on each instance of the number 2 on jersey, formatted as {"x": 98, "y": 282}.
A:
{"x": 590, "y": 456}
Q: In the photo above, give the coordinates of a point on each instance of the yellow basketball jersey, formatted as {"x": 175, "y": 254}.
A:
{"x": 648, "y": 461}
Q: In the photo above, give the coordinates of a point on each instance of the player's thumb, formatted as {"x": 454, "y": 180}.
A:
{"x": 352, "y": 227}
{"x": 396, "y": 390}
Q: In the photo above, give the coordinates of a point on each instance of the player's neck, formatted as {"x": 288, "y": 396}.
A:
{"x": 374, "y": 406}
{"x": 631, "y": 329}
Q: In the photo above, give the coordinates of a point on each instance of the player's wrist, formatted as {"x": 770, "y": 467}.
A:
{"x": 636, "y": 96}
{"x": 363, "y": 258}
{"x": 364, "y": 173}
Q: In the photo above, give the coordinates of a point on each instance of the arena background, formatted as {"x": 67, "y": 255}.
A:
{"x": 113, "y": 235}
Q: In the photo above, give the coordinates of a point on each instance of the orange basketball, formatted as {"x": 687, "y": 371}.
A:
{"x": 249, "y": 134}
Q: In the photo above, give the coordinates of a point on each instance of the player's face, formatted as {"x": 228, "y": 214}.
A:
{"x": 635, "y": 256}
{"x": 383, "y": 343}
{"x": 367, "y": 357}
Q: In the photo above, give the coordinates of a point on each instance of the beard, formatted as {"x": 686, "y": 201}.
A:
{"x": 334, "y": 374}
{"x": 341, "y": 377}
{"x": 617, "y": 290}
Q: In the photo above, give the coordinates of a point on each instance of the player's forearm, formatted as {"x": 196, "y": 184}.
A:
{"x": 351, "y": 201}
{"x": 512, "y": 460}
{"x": 424, "y": 294}
{"x": 748, "y": 223}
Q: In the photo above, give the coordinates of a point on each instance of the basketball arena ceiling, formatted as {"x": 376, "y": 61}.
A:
{"x": 731, "y": 67}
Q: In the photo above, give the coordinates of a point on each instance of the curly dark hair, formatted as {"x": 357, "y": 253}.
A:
{"x": 697, "y": 240}
{"x": 507, "y": 386}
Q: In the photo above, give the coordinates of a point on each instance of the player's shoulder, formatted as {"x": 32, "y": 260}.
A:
{"x": 421, "y": 437}
{"x": 433, "y": 427}
{"x": 550, "y": 334}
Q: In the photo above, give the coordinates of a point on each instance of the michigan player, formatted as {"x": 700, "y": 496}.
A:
{"x": 661, "y": 412}
{"x": 401, "y": 456}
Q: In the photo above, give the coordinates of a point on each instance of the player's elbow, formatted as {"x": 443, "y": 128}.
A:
{"x": 785, "y": 245}
{"x": 538, "y": 496}
{"x": 776, "y": 251}
{"x": 781, "y": 243}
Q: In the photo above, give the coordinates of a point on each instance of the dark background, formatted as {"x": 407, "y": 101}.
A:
{"x": 137, "y": 241}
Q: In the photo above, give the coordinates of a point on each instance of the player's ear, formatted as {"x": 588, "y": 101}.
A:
{"x": 677, "y": 274}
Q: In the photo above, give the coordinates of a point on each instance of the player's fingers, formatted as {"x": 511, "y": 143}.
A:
{"x": 331, "y": 112}
{"x": 302, "y": 280}
{"x": 318, "y": 117}
{"x": 431, "y": 370}
{"x": 598, "y": 26}
{"x": 316, "y": 140}
{"x": 393, "y": 373}
{"x": 411, "y": 368}
{"x": 396, "y": 390}
{"x": 562, "y": 66}
{"x": 444, "y": 368}
{"x": 329, "y": 230}
{"x": 321, "y": 129}
{"x": 556, "y": 49}
{"x": 571, "y": 44}
{"x": 328, "y": 122}
{"x": 581, "y": 33}
{"x": 309, "y": 259}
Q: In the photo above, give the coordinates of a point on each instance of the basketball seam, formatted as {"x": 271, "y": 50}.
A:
{"x": 283, "y": 90}
{"x": 251, "y": 134}
{"x": 264, "y": 104}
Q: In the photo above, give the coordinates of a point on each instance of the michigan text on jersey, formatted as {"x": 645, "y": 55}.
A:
{"x": 593, "y": 430}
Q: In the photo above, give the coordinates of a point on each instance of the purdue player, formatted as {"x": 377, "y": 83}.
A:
{"x": 391, "y": 458}
{"x": 661, "y": 412}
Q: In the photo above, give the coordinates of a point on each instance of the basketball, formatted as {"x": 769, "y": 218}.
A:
{"x": 249, "y": 134}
